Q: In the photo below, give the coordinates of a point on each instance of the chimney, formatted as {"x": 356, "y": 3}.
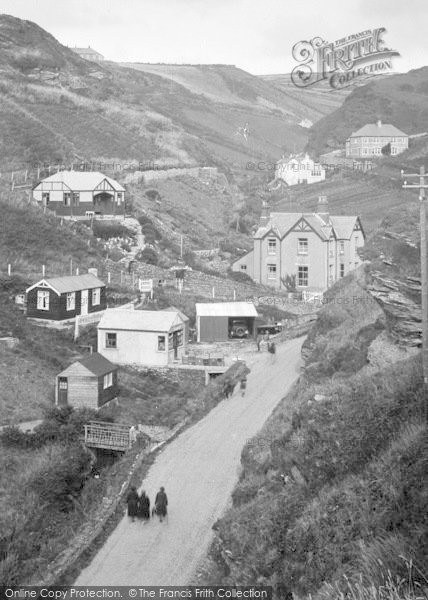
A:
{"x": 322, "y": 208}
{"x": 379, "y": 123}
{"x": 265, "y": 216}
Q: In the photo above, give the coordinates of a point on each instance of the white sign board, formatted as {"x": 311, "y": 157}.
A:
{"x": 145, "y": 285}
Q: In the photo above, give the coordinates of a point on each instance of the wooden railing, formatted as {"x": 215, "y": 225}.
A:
{"x": 112, "y": 436}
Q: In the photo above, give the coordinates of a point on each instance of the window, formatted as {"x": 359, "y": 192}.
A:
{"x": 341, "y": 247}
{"x": 71, "y": 300}
{"x": 271, "y": 271}
{"x": 76, "y": 198}
{"x": 303, "y": 276}
{"x": 96, "y": 296}
{"x": 119, "y": 197}
{"x": 63, "y": 383}
{"x": 67, "y": 198}
{"x": 161, "y": 343}
{"x": 342, "y": 270}
{"x": 302, "y": 246}
{"x": 108, "y": 380}
{"x": 180, "y": 337}
{"x": 42, "y": 300}
{"x": 271, "y": 246}
{"x": 243, "y": 267}
{"x": 111, "y": 340}
{"x": 46, "y": 197}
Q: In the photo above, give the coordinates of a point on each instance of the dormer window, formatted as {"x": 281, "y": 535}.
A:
{"x": 302, "y": 246}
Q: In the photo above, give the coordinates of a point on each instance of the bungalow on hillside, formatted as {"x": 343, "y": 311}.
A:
{"x": 222, "y": 321}
{"x": 142, "y": 337}
{"x": 61, "y": 298}
{"x": 88, "y": 54}
{"x": 89, "y": 382}
{"x": 370, "y": 139}
{"x": 81, "y": 195}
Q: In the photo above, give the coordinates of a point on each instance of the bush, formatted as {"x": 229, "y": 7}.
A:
{"x": 106, "y": 230}
{"x": 239, "y": 276}
{"x": 149, "y": 256}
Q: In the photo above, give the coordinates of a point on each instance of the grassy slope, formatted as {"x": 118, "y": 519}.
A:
{"x": 56, "y": 105}
{"x": 360, "y": 508}
{"x": 399, "y": 99}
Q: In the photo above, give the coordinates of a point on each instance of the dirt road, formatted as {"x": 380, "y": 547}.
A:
{"x": 199, "y": 471}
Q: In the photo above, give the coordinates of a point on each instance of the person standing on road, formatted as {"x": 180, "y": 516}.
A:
{"x": 243, "y": 385}
{"x": 144, "y": 507}
{"x": 272, "y": 350}
{"x": 161, "y": 503}
{"x": 132, "y": 500}
{"x": 258, "y": 340}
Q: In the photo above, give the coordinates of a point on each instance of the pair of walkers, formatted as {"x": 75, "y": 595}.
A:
{"x": 139, "y": 506}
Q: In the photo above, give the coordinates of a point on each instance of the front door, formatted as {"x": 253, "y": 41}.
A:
{"x": 84, "y": 302}
{"x": 62, "y": 391}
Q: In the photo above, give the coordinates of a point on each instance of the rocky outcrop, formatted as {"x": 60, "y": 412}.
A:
{"x": 404, "y": 315}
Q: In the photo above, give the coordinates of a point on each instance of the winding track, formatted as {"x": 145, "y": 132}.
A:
{"x": 199, "y": 471}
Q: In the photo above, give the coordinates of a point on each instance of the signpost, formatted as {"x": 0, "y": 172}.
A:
{"x": 145, "y": 286}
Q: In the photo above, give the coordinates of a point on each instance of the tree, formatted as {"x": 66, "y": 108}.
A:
{"x": 289, "y": 282}
{"x": 386, "y": 150}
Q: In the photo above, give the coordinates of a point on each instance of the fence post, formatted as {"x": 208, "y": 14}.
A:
{"x": 77, "y": 270}
{"x": 109, "y": 277}
{"x": 121, "y": 278}
{"x": 71, "y": 266}
{"x": 213, "y": 292}
{"x": 76, "y": 328}
{"x": 133, "y": 279}
{"x": 43, "y": 270}
{"x": 9, "y": 269}
{"x": 234, "y": 294}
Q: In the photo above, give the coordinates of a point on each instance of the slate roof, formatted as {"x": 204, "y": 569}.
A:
{"x": 226, "y": 309}
{"x": 97, "y": 364}
{"x": 281, "y": 223}
{"x": 81, "y": 180}
{"x": 71, "y": 283}
{"x": 139, "y": 320}
{"x": 375, "y": 130}
{"x": 343, "y": 226}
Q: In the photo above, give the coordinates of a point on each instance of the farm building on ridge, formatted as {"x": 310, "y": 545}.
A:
{"x": 89, "y": 382}
{"x": 81, "y": 195}
{"x": 222, "y": 321}
{"x": 142, "y": 337}
{"x": 61, "y": 298}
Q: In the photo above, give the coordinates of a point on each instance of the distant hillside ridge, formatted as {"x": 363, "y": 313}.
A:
{"x": 400, "y": 99}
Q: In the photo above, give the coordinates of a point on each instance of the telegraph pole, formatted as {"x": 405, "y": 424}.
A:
{"x": 422, "y": 186}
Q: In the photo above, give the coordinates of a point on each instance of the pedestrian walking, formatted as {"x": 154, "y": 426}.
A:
{"x": 132, "y": 500}
{"x": 272, "y": 350}
{"x": 258, "y": 340}
{"x": 144, "y": 507}
{"x": 243, "y": 386}
{"x": 161, "y": 503}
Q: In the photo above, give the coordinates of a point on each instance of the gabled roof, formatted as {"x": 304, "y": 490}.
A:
{"x": 343, "y": 226}
{"x": 374, "y": 130}
{"x": 339, "y": 226}
{"x": 181, "y": 314}
{"x": 95, "y": 364}
{"x": 81, "y": 180}
{"x": 140, "y": 320}
{"x": 70, "y": 283}
{"x": 226, "y": 309}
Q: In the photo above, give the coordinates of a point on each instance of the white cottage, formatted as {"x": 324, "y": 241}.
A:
{"x": 142, "y": 337}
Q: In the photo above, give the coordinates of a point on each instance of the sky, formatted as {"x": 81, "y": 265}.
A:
{"x": 256, "y": 36}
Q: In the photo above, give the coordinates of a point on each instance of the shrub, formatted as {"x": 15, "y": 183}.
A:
{"x": 148, "y": 255}
{"x": 239, "y": 276}
{"x": 107, "y": 230}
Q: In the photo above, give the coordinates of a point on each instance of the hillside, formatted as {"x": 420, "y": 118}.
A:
{"x": 59, "y": 107}
{"x": 398, "y": 99}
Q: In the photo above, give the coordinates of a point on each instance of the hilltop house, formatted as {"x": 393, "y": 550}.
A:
{"x": 89, "y": 382}
{"x": 81, "y": 194}
{"x": 299, "y": 168}
{"x": 142, "y": 337}
{"x": 61, "y": 298}
{"x": 88, "y": 54}
{"x": 314, "y": 248}
{"x": 370, "y": 139}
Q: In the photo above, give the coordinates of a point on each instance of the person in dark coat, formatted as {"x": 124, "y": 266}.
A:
{"x": 144, "y": 507}
{"x": 161, "y": 502}
{"x": 132, "y": 502}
